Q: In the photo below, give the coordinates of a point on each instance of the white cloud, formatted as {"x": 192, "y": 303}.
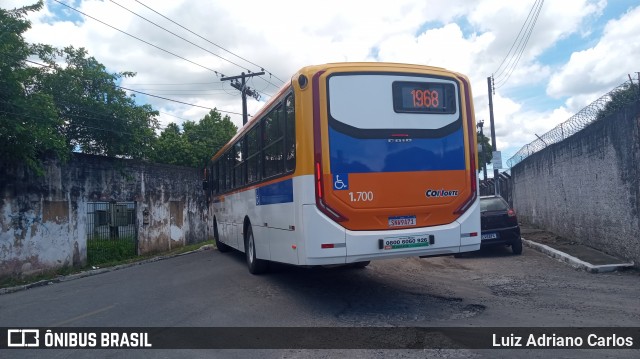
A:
{"x": 590, "y": 73}
{"x": 471, "y": 37}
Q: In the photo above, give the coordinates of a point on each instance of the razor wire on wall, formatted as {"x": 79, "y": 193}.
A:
{"x": 574, "y": 124}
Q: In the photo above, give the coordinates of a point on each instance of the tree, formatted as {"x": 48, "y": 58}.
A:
{"x": 49, "y": 109}
{"x": 619, "y": 99}
{"x": 99, "y": 118}
{"x": 28, "y": 118}
{"x": 196, "y": 143}
{"x": 171, "y": 147}
{"x": 486, "y": 154}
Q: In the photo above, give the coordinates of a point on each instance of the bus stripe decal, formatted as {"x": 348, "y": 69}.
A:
{"x": 279, "y": 192}
{"x": 353, "y": 155}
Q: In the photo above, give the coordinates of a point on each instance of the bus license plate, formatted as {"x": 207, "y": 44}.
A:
{"x": 490, "y": 236}
{"x": 405, "y": 242}
{"x": 402, "y": 221}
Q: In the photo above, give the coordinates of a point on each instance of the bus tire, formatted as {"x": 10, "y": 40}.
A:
{"x": 216, "y": 237}
{"x": 256, "y": 266}
{"x": 516, "y": 246}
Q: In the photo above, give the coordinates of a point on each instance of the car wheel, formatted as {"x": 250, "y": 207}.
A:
{"x": 256, "y": 266}
{"x": 516, "y": 246}
{"x": 216, "y": 237}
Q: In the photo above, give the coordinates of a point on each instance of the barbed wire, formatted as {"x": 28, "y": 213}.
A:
{"x": 568, "y": 128}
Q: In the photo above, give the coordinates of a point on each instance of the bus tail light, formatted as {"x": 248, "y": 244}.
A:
{"x": 317, "y": 149}
{"x": 320, "y": 203}
{"x": 318, "y": 180}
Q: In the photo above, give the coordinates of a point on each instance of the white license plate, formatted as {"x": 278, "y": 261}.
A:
{"x": 402, "y": 221}
{"x": 405, "y": 242}
{"x": 490, "y": 236}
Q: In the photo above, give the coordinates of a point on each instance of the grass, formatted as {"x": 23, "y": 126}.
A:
{"x": 45, "y": 275}
{"x": 112, "y": 257}
{"x": 101, "y": 251}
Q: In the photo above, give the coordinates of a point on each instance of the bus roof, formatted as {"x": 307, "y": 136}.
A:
{"x": 315, "y": 68}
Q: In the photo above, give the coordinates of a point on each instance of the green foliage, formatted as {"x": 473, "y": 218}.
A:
{"x": 619, "y": 100}
{"x": 55, "y": 109}
{"x": 99, "y": 118}
{"x": 171, "y": 147}
{"x": 484, "y": 156}
{"x": 28, "y": 118}
{"x": 196, "y": 143}
{"x": 101, "y": 251}
{"x": 72, "y": 103}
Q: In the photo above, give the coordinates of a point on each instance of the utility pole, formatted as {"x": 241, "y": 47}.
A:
{"x": 245, "y": 90}
{"x": 493, "y": 133}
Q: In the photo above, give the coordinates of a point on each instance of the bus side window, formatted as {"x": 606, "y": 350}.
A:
{"x": 228, "y": 164}
{"x": 239, "y": 164}
{"x": 273, "y": 143}
{"x": 253, "y": 155}
{"x": 221, "y": 174}
{"x": 213, "y": 182}
{"x": 290, "y": 135}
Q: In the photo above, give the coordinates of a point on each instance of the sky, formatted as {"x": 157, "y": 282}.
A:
{"x": 577, "y": 51}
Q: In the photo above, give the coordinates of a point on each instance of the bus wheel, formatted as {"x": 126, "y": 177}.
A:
{"x": 256, "y": 266}
{"x": 221, "y": 246}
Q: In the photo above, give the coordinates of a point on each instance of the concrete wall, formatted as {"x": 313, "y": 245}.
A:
{"x": 43, "y": 220}
{"x": 587, "y": 187}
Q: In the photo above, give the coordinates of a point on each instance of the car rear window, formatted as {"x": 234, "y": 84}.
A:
{"x": 493, "y": 204}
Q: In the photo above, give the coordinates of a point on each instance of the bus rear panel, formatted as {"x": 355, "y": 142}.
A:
{"x": 394, "y": 158}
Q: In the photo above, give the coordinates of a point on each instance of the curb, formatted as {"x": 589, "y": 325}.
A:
{"x": 97, "y": 271}
{"x": 573, "y": 261}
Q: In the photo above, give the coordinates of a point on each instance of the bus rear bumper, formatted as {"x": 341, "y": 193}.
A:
{"x": 329, "y": 243}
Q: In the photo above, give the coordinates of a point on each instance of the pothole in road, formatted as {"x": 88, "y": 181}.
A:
{"x": 405, "y": 308}
{"x": 470, "y": 310}
{"x": 505, "y": 287}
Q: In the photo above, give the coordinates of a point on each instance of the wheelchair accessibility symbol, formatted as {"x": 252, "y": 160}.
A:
{"x": 340, "y": 181}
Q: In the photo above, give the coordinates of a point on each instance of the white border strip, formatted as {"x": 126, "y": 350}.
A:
{"x": 573, "y": 261}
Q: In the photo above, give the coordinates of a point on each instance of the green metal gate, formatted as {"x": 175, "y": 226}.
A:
{"x": 111, "y": 232}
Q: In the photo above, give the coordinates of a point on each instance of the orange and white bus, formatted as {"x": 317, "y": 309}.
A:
{"x": 348, "y": 163}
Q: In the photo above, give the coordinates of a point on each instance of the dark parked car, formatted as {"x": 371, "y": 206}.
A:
{"x": 499, "y": 224}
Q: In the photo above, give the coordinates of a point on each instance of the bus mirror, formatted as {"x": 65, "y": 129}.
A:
{"x": 205, "y": 185}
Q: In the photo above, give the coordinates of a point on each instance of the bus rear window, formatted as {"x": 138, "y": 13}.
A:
{"x": 423, "y": 97}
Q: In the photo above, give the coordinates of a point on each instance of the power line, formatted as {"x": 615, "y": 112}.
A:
{"x": 497, "y": 72}
{"x": 184, "y": 103}
{"x": 148, "y": 94}
{"x": 214, "y": 44}
{"x": 179, "y": 84}
{"x": 240, "y": 83}
{"x": 178, "y": 36}
{"x": 168, "y": 114}
{"x": 182, "y": 38}
{"x": 521, "y": 41}
{"x": 137, "y": 38}
{"x": 159, "y": 128}
{"x": 159, "y": 48}
{"x": 74, "y": 124}
{"x": 524, "y": 43}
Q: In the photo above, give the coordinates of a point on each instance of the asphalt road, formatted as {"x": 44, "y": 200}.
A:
{"x": 209, "y": 289}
